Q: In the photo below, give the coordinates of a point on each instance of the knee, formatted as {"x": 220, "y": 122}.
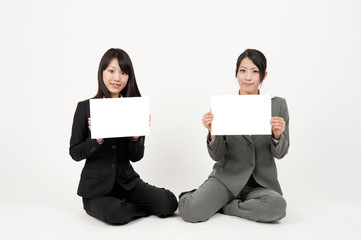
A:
{"x": 168, "y": 204}
{"x": 190, "y": 209}
{"x": 117, "y": 214}
{"x": 114, "y": 218}
{"x": 110, "y": 213}
{"x": 276, "y": 208}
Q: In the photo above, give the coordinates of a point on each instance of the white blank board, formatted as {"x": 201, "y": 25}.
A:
{"x": 119, "y": 117}
{"x": 241, "y": 115}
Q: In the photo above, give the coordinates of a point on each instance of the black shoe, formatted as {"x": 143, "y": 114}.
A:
{"x": 182, "y": 193}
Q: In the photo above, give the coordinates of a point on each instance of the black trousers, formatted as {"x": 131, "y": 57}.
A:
{"x": 121, "y": 206}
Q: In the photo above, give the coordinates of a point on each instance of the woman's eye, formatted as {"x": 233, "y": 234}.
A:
{"x": 255, "y": 71}
{"x": 123, "y": 73}
{"x": 242, "y": 70}
{"x": 111, "y": 71}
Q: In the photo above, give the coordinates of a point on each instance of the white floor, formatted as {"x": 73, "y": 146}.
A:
{"x": 319, "y": 220}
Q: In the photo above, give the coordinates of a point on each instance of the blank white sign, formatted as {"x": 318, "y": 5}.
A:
{"x": 241, "y": 115}
{"x": 119, "y": 117}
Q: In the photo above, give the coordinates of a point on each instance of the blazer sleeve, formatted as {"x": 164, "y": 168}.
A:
{"x": 281, "y": 149}
{"x": 136, "y": 149}
{"x": 81, "y": 145}
{"x": 217, "y": 149}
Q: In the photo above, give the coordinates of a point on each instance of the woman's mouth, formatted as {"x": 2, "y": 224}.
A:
{"x": 115, "y": 85}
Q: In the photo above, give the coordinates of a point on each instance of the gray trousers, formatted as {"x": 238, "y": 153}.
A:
{"x": 256, "y": 204}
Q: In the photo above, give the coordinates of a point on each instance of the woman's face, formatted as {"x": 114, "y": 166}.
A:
{"x": 248, "y": 77}
{"x": 114, "y": 78}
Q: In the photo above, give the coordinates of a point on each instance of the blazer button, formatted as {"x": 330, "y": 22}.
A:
{"x": 251, "y": 164}
{"x": 250, "y": 144}
{"x": 114, "y": 147}
{"x": 112, "y": 165}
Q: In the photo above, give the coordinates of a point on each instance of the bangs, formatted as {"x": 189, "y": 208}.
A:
{"x": 124, "y": 62}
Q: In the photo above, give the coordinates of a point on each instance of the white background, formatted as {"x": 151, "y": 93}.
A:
{"x": 183, "y": 52}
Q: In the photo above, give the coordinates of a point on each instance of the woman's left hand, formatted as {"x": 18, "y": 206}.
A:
{"x": 278, "y": 127}
{"x": 135, "y": 138}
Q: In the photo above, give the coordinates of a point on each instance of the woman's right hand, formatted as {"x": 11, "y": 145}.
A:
{"x": 99, "y": 140}
{"x": 207, "y": 123}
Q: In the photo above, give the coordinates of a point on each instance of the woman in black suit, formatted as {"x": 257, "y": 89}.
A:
{"x": 112, "y": 191}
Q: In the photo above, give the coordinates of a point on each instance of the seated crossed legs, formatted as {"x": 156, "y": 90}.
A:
{"x": 121, "y": 206}
{"x": 257, "y": 204}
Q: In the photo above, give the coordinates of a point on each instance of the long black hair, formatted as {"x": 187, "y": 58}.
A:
{"x": 125, "y": 64}
{"x": 257, "y": 58}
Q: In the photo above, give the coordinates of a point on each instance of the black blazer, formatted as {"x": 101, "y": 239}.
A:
{"x": 105, "y": 163}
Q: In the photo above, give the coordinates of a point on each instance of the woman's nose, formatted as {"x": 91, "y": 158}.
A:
{"x": 117, "y": 77}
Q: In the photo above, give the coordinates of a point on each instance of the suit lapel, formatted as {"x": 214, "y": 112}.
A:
{"x": 248, "y": 137}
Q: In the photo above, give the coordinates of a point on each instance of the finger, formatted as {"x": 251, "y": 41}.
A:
{"x": 281, "y": 123}
{"x": 208, "y": 114}
{"x": 278, "y": 124}
{"x": 276, "y": 129}
{"x": 276, "y": 118}
{"x": 207, "y": 120}
{"x": 274, "y": 124}
{"x": 277, "y": 121}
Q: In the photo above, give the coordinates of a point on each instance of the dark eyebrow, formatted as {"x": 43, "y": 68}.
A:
{"x": 112, "y": 67}
{"x": 251, "y": 68}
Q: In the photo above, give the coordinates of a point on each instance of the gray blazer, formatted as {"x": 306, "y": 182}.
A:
{"x": 239, "y": 157}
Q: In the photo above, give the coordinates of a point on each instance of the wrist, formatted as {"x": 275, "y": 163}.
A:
{"x": 211, "y": 137}
{"x": 276, "y": 137}
{"x": 135, "y": 138}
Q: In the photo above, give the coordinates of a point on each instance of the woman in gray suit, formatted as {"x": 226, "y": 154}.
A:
{"x": 244, "y": 181}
